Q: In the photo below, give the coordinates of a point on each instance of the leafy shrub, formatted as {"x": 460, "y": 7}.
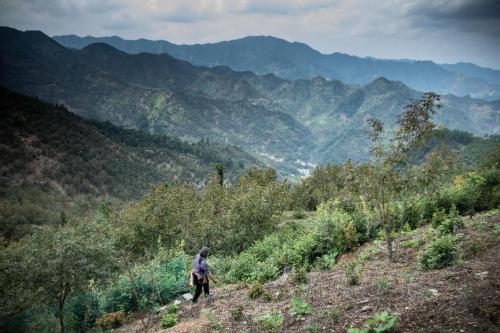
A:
{"x": 147, "y": 285}
{"x": 413, "y": 243}
{"x": 271, "y": 322}
{"x": 111, "y": 320}
{"x": 353, "y": 272}
{"x": 169, "y": 320}
{"x": 82, "y": 312}
{"x": 40, "y": 321}
{"x": 237, "y": 314}
{"x": 380, "y": 322}
{"x": 339, "y": 225}
{"x": 438, "y": 218}
{"x": 299, "y": 214}
{"x": 300, "y": 308}
{"x": 297, "y": 244}
{"x": 451, "y": 223}
{"x": 300, "y": 276}
{"x": 440, "y": 253}
{"x": 496, "y": 230}
{"x": 214, "y": 323}
{"x": 327, "y": 261}
{"x": 256, "y": 290}
{"x": 172, "y": 309}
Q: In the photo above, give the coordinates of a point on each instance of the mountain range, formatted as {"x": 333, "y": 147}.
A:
{"x": 267, "y": 54}
{"x": 47, "y": 145}
{"x": 291, "y": 123}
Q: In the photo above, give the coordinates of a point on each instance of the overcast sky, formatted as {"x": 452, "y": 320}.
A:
{"x": 438, "y": 30}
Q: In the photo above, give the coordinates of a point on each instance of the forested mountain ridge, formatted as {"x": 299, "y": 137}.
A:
{"x": 292, "y": 123}
{"x": 156, "y": 93}
{"x": 46, "y": 144}
{"x": 267, "y": 54}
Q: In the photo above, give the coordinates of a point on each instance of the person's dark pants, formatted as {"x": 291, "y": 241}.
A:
{"x": 199, "y": 285}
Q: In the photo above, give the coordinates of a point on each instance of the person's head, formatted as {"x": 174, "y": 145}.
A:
{"x": 204, "y": 252}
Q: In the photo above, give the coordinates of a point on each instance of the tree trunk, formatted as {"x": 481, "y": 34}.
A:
{"x": 388, "y": 236}
{"x": 61, "y": 315}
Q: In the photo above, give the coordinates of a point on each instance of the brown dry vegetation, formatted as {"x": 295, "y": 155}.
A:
{"x": 462, "y": 298}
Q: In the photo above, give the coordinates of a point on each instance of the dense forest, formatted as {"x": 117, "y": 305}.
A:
{"x": 96, "y": 272}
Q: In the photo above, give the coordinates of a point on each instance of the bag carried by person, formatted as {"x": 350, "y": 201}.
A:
{"x": 191, "y": 279}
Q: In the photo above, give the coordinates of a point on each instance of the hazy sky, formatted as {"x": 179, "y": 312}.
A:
{"x": 438, "y": 30}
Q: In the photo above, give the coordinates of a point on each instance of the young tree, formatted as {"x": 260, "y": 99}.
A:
{"x": 389, "y": 180}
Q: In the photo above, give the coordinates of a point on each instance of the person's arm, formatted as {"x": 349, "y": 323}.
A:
{"x": 206, "y": 269}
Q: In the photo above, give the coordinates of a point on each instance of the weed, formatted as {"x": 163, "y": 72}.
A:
{"x": 214, "y": 323}
{"x": 314, "y": 327}
{"x": 300, "y": 308}
{"x": 413, "y": 243}
{"x": 172, "y": 309}
{"x": 353, "y": 272}
{"x": 169, "y": 320}
{"x": 335, "y": 315}
{"x": 478, "y": 224}
{"x": 474, "y": 247}
{"x": 496, "y": 230}
{"x": 270, "y": 322}
{"x": 237, "y": 314}
{"x": 409, "y": 278}
{"x": 380, "y": 322}
{"x": 384, "y": 283}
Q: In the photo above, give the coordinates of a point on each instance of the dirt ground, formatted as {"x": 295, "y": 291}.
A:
{"x": 461, "y": 298}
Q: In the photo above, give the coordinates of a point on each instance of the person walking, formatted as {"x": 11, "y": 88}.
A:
{"x": 201, "y": 275}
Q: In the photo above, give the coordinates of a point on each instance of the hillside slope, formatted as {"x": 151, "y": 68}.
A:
{"x": 42, "y": 143}
{"x": 267, "y": 54}
{"x": 462, "y": 298}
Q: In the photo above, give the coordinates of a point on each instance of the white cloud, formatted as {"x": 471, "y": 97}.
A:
{"x": 443, "y": 31}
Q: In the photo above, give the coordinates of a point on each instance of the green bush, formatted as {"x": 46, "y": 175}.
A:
{"x": 152, "y": 283}
{"x": 271, "y": 322}
{"x": 169, "y": 320}
{"x": 380, "y": 322}
{"x": 299, "y": 214}
{"x": 438, "y": 218}
{"x": 440, "y": 253}
{"x": 82, "y": 311}
{"x": 256, "y": 290}
{"x": 299, "y": 244}
{"x": 300, "y": 308}
{"x": 451, "y": 224}
{"x": 353, "y": 271}
{"x": 300, "y": 276}
{"x": 327, "y": 261}
{"x": 172, "y": 309}
{"x": 237, "y": 314}
{"x": 339, "y": 225}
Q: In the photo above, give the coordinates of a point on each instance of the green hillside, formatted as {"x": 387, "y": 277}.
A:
{"x": 50, "y": 156}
